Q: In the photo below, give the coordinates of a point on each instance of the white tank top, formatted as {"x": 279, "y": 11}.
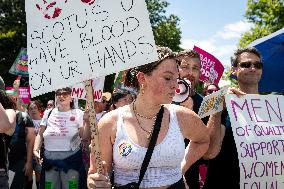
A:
{"x": 165, "y": 165}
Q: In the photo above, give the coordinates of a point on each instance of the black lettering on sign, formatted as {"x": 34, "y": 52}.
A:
{"x": 101, "y": 15}
{"x": 31, "y": 62}
{"x": 57, "y": 30}
{"x": 117, "y": 55}
{"x": 71, "y": 70}
{"x": 86, "y": 22}
{"x": 98, "y": 60}
{"x": 63, "y": 53}
{"x": 42, "y": 55}
{"x": 69, "y": 22}
{"x": 45, "y": 38}
{"x": 36, "y": 37}
{"x": 127, "y": 5}
{"x": 130, "y": 48}
{"x": 117, "y": 29}
{"x": 107, "y": 56}
{"x": 39, "y": 80}
{"x": 86, "y": 41}
{"x": 132, "y": 24}
{"x": 148, "y": 46}
{"x": 106, "y": 33}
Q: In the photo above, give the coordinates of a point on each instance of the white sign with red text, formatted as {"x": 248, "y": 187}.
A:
{"x": 71, "y": 41}
{"x": 78, "y": 90}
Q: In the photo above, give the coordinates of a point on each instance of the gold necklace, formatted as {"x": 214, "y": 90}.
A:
{"x": 140, "y": 115}
{"x": 149, "y": 133}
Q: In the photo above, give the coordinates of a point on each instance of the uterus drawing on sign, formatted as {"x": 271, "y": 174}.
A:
{"x": 52, "y": 9}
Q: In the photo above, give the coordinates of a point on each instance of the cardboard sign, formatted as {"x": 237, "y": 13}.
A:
{"x": 212, "y": 103}
{"x": 212, "y": 69}
{"x": 258, "y": 128}
{"x": 72, "y": 41}
{"x": 78, "y": 91}
{"x": 24, "y": 94}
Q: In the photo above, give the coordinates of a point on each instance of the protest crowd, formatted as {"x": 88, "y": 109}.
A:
{"x": 163, "y": 126}
{"x": 188, "y": 150}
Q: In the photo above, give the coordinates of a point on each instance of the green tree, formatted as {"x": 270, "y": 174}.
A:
{"x": 165, "y": 28}
{"x": 12, "y": 34}
{"x": 267, "y": 17}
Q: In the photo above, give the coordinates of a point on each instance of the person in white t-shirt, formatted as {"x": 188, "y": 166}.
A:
{"x": 62, "y": 129}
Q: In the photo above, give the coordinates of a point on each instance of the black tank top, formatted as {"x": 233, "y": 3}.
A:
{"x": 4, "y": 142}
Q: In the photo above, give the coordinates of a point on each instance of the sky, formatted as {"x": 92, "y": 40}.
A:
{"x": 214, "y": 26}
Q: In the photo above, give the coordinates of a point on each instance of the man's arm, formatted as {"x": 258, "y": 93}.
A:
{"x": 217, "y": 132}
{"x": 30, "y": 139}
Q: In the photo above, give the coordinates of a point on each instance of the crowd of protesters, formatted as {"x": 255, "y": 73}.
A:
{"x": 52, "y": 142}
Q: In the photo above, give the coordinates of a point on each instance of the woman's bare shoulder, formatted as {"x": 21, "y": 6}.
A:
{"x": 110, "y": 118}
{"x": 180, "y": 110}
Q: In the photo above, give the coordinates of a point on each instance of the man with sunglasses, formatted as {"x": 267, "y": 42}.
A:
{"x": 223, "y": 170}
{"x": 190, "y": 69}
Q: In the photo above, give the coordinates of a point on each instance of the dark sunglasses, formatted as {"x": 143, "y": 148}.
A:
{"x": 63, "y": 93}
{"x": 210, "y": 91}
{"x": 256, "y": 65}
{"x": 104, "y": 101}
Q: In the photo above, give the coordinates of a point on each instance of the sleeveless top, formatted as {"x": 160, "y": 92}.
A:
{"x": 165, "y": 165}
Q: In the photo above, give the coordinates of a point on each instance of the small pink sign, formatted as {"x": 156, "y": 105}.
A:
{"x": 212, "y": 69}
{"x": 24, "y": 93}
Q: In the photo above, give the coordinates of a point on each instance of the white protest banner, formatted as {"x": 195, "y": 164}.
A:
{"x": 72, "y": 41}
{"x": 78, "y": 90}
{"x": 212, "y": 103}
{"x": 258, "y": 128}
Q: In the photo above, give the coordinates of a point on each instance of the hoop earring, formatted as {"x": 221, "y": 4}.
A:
{"x": 142, "y": 89}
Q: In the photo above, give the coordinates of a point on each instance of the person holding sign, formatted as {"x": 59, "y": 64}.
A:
{"x": 125, "y": 132}
{"x": 62, "y": 130}
{"x": 190, "y": 69}
{"x": 247, "y": 67}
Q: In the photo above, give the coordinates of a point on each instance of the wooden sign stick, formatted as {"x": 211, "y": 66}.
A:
{"x": 93, "y": 126}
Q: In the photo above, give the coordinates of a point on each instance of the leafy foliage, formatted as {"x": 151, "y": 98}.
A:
{"x": 267, "y": 17}
{"x": 12, "y": 34}
{"x": 165, "y": 28}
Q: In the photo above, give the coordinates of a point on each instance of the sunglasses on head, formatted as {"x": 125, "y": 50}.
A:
{"x": 63, "y": 93}
{"x": 210, "y": 91}
{"x": 256, "y": 65}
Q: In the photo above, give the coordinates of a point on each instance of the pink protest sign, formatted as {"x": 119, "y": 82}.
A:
{"x": 24, "y": 93}
{"x": 212, "y": 69}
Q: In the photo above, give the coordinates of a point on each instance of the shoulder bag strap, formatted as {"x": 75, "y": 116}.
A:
{"x": 152, "y": 144}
